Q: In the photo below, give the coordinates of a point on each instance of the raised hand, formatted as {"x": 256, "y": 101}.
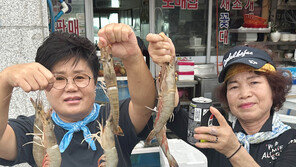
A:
{"x": 220, "y": 138}
{"x": 121, "y": 38}
{"x": 161, "y": 49}
{"x": 29, "y": 77}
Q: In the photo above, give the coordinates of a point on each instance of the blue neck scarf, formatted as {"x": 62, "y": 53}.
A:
{"x": 277, "y": 129}
{"x": 76, "y": 127}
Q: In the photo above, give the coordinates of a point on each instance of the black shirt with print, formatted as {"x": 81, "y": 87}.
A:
{"x": 277, "y": 152}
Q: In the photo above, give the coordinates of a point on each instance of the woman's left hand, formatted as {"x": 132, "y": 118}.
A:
{"x": 220, "y": 138}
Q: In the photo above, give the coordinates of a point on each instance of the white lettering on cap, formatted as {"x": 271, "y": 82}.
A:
{"x": 253, "y": 62}
{"x": 236, "y": 54}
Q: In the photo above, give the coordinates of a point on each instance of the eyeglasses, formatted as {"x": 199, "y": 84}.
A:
{"x": 80, "y": 80}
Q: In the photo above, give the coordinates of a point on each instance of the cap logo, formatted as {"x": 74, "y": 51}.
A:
{"x": 253, "y": 62}
{"x": 236, "y": 54}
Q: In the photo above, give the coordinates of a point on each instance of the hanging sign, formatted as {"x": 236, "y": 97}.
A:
{"x": 71, "y": 26}
{"x": 224, "y": 16}
{"x": 183, "y": 4}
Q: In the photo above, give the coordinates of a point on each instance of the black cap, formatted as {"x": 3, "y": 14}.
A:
{"x": 253, "y": 57}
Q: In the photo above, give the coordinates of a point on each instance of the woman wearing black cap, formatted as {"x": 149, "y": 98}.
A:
{"x": 252, "y": 90}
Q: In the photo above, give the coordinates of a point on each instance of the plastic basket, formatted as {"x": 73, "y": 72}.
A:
{"x": 252, "y": 21}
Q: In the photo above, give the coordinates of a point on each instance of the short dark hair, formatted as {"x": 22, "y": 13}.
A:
{"x": 280, "y": 84}
{"x": 60, "y": 46}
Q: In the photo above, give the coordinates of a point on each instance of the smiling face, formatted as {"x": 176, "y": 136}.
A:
{"x": 72, "y": 103}
{"x": 249, "y": 97}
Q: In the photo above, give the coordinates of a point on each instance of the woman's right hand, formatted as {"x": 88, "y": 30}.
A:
{"x": 220, "y": 138}
{"x": 29, "y": 77}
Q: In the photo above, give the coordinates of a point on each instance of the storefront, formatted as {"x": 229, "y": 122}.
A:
{"x": 202, "y": 30}
{"x": 195, "y": 26}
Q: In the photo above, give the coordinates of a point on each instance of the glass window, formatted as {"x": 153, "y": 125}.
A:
{"x": 102, "y": 19}
{"x": 131, "y": 12}
{"x": 185, "y": 22}
{"x": 134, "y": 13}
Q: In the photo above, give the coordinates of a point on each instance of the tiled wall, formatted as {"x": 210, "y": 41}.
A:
{"x": 23, "y": 26}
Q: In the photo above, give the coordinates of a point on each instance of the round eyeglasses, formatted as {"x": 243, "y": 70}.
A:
{"x": 80, "y": 80}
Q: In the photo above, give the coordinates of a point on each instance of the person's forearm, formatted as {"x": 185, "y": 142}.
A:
{"x": 243, "y": 159}
{"x": 8, "y": 148}
{"x": 140, "y": 81}
{"x": 5, "y": 96}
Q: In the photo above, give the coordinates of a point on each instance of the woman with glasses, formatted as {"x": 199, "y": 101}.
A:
{"x": 252, "y": 90}
{"x": 66, "y": 68}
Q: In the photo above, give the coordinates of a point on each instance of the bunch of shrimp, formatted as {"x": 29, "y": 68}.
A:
{"x": 44, "y": 140}
{"x": 166, "y": 87}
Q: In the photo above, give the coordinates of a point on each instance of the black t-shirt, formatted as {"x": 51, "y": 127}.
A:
{"x": 79, "y": 154}
{"x": 144, "y": 50}
{"x": 278, "y": 152}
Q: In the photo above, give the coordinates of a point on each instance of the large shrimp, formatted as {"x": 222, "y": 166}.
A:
{"x": 38, "y": 145}
{"x": 112, "y": 89}
{"x": 166, "y": 87}
{"x": 163, "y": 142}
{"x": 44, "y": 140}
